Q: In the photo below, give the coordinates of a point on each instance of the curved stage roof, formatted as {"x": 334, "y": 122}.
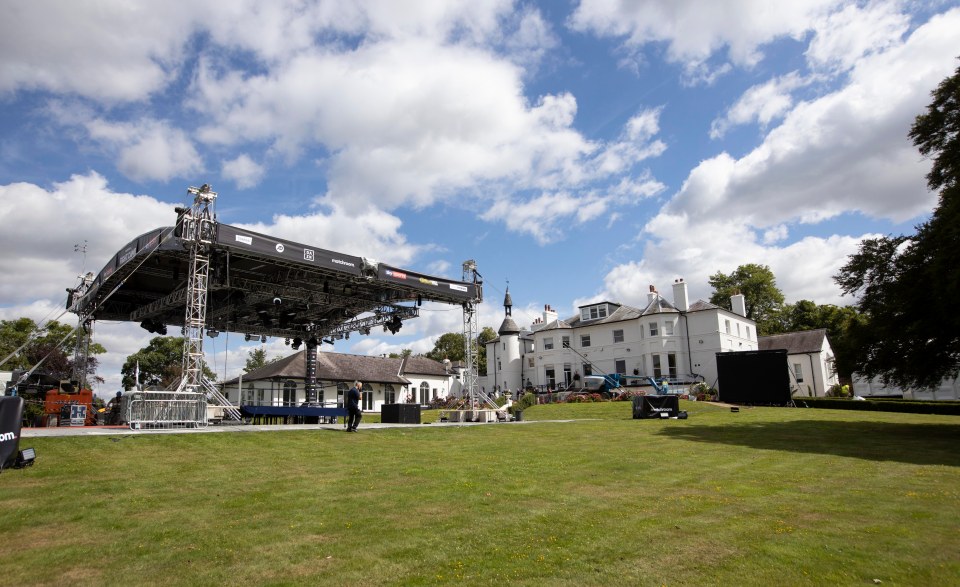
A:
{"x": 260, "y": 285}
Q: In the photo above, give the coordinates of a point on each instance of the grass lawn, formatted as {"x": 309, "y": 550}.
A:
{"x": 766, "y": 496}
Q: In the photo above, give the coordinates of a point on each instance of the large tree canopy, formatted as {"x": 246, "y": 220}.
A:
{"x": 759, "y": 288}
{"x": 908, "y": 286}
{"x": 160, "y": 364}
{"x": 450, "y": 346}
{"x": 51, "y": 347}
{"x": 258, "y": 358}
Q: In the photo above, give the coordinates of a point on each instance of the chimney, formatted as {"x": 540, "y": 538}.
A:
{"x": 549, "y": 314}
{"x": 680, "y": 295}
{"x": 652, "y": 296}
{"x": 739, "y": 304}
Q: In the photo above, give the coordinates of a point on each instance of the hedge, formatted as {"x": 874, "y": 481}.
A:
{"x": 885, "y": 405}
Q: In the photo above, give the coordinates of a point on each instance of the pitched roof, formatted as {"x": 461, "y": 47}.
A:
{"x": 343, "y": 367}
{"x": 659, "y": 304}
{"x": 806, "y": 341}
{"x": 700, "y": 305}
{"x": 619, "y": 315}
{"x": 508, "y": 327}
{"x": 415, "y": 365}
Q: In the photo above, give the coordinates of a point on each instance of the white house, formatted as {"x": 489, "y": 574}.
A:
{"x": 811, "y": 360}
{"x": 675, "y": 341}
{"x": 949, "y": 389}
{"x": 385, "y": 381}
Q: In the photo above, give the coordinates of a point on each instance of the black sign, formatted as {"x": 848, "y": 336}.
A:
{"x": 11, "y": 414}
{"x": 443, "y": 288}
{"x": 240, "y": 239}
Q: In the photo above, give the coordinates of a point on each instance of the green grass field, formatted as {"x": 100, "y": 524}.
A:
{"x": 766, "y": 496}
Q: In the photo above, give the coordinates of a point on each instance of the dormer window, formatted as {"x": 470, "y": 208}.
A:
{"x": 594, "y": 312}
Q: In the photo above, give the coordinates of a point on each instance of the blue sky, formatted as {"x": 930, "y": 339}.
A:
{"x": 576, "y": 150}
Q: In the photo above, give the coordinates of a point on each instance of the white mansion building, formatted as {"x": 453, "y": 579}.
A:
{"x": 676, "y": 341}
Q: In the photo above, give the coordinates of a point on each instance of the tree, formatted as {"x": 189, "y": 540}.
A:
{"x": 759, "y": 288}
{"x": 838, "y": 321}
{"x": 160, "y": 364}
{"x": 908, "y": 285}
{"x": 51, "y": 347}
{"x": 448, "y": 346}
{"x": 258, "y": 358}
{"x": 486, "y": 335}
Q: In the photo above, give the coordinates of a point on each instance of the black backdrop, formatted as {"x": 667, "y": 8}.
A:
{"x": 754, "y": 377}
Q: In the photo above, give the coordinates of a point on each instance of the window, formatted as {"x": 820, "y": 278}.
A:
{"x": 672, "y": 365}
{"x": 367, "y": 396}
{"x": 668, "y": 328}
{"x": 657, "y": 371}
{"x": 424, "y": 393}
{"x": 504, "y": 345}
{"x": 738, "y": 329}
{"x": 798, "y": 372}
{"x": 584, "y": 340}
{"x": 727, "y": 322}
{"x": 618, "y": 336}
{"x": 550, "y": 376}
{"x": 566, "y": 342}
{"x": 593, "y": 313}
{"x": 620, "y": 366}
{"x": 587, "y": 369}
{"x": 389, "y": 395}
{"x": 530, "y": 362}
{"x": 499, "y": 368}
{"x": 748, "y": 333}
{"x": 342, "y": 388}
{"x": 653, "y": 329}
{"x": 289, "y": 393}
{"x": 567, "y": 376}
{"x": 260, "y": 400}
{"x": 548, "y": 343}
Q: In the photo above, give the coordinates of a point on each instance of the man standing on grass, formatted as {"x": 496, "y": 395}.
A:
{"x": 353, "y": 406}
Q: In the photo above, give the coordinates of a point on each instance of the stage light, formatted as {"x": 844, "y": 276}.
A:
{"x": 277, "y": 301}
{"x": 347, "y": 336}
{"x": 213, "y": 333}
{"x": 25, "y": 458}
{"x": 295, "y": 345}
{"x": 286, "y": 341}
{"x": 246, "y": 338}
{"x": 263, "y": 338}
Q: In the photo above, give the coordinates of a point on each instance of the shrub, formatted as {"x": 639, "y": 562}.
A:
{"x": 837, "y": 390}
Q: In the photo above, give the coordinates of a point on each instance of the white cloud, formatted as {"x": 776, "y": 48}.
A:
{"x": 842, "y": 38}
{"x": 147, "y": 150}
{"x": 42, "y": 226}
{"x": 762, "y": 103}
{"x": 100, "y": 52}
{"x": 695, "y": 31}
{"x": 243, "y": 171}
{"x": 845, "y": 151}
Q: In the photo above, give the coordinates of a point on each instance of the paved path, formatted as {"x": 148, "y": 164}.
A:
{"x": 124, "y": 430}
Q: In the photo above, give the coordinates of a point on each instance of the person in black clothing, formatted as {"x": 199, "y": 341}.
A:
{"x": 353, "y": 406}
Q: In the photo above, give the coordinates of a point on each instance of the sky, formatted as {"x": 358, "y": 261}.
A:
{"x": 578, "y": 151}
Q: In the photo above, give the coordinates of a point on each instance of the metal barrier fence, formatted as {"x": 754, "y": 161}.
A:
{"x": 166, "y": 409}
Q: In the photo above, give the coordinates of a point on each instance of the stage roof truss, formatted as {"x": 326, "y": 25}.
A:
{"x": 261, "y": 286}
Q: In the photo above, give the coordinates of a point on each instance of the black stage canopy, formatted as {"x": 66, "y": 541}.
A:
{"x": 260, "y": 285}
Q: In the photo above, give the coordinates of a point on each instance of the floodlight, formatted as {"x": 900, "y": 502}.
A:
{"x": 263, "y": 338}
{"x": 25, "y": 458}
